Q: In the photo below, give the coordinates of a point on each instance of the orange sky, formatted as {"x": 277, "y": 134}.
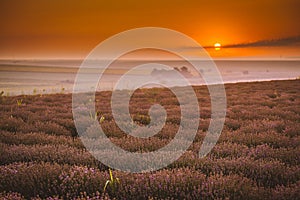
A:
{"x": 71, "y": 29}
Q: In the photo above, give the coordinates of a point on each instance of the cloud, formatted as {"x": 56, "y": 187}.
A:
{"x": 288, "y": 41}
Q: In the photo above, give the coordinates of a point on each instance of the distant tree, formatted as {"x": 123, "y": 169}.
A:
{"x": 184, "y": 69}
{"x": 154, "y": 71}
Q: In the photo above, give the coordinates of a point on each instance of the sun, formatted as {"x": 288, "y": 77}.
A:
{"x": 217, "y": 46}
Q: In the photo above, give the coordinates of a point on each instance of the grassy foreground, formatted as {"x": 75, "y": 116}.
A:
{"x": 257, "y": 155}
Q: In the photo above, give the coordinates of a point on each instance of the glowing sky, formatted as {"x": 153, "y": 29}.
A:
{"x": 71, "y": 28}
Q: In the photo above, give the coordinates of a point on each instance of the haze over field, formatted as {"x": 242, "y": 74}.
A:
{"x": 52, "y": 76}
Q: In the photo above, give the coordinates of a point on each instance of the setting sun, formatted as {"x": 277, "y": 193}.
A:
{"x": 217, "y": 46}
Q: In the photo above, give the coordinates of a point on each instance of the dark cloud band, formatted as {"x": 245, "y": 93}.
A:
{"x": 288, "y": 41}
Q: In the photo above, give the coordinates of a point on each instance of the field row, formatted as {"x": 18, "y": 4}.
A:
{"x": 65, "y": 181}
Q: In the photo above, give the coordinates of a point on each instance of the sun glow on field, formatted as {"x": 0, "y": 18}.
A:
{"x": 217, "y": 46}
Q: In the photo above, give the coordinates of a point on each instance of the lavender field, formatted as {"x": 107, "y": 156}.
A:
{"x": 257, "y": 155}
